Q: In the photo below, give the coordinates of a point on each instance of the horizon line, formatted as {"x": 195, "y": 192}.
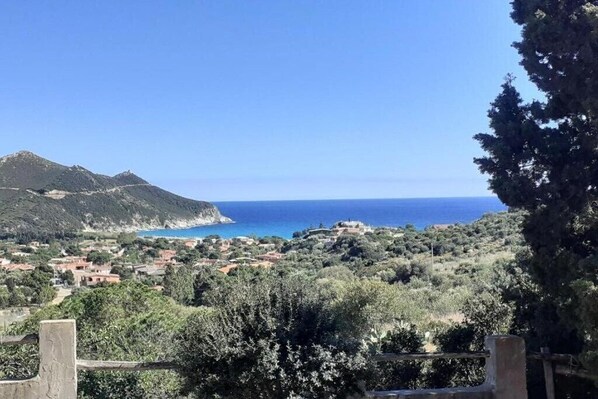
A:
{"x": 358, "y": 199}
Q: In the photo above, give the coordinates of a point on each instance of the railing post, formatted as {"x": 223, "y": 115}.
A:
{"x": 548, "y": 374}
{"x": 57, "y": 359}
{"x": 505, "y": 368}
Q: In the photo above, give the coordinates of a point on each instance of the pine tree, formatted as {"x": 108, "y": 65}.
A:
{"x": 542, "y": 157}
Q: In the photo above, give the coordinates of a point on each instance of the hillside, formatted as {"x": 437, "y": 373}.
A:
{"x": 42, "y": 196}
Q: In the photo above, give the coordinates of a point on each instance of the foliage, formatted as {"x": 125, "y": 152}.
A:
{"x": 68, "y": 277}
{"x": 485, "y": 314}
{"x": 99, "y": 258}
{"x": 405, "y": 374}
{"x": 179, "y": 284}
{"x": 27, "y": 288}
{"x": 541, "y": 158}
{"x": 127, "y": 321}
{"x": 125, "y": 273}
{"x": 279, "y": 338}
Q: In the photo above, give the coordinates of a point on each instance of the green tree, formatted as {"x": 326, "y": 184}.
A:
{"x": 17, "y": 298}
{"x": 99, "y": 258}
{"x": 543, "y": 158}
{"x": 206, "y": 280}
{"x": 40, "y": 282}
{"x": 126, "y": 239}
{"x": 4, "y": 297}
{"x": 68, "y": 277}
{"x": 73, "y": 249}
{"x": 272, "y": 338}
{"x": 179, "y": 284}
{"x": 126, "y": 321}
{"x": 125, "y": 273}
{"x": 405, "y": 374}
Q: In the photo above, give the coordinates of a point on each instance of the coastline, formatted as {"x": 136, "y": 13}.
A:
{"x": 283, "y": 218}
{"x": 176, "y": 224}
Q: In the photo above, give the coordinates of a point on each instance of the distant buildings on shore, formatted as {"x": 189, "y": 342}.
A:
{"x": 231, "y": 253}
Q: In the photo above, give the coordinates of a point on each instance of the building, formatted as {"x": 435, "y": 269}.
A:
{"x": 24, "y": 267}
{"x": 271, "y": 257}
{"x": 190, "y": 243}
{"x": 93, "y": 279}
{"x": 167, "y": 254}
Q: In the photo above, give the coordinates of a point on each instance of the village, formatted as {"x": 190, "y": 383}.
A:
{"x": 89, "y": 261}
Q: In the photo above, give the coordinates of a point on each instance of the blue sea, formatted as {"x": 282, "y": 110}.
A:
{"x": 282, "y": 218}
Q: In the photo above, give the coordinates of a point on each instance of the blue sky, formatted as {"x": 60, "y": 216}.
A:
{"x": 249, "y": 100}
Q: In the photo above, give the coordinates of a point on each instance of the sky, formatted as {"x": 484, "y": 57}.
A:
{"x": 260, "y": 100}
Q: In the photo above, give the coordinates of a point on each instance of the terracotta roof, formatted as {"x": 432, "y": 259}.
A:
{"x": 18, "y": 266}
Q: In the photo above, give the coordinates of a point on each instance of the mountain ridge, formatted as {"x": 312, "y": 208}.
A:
{"x": 40, "y": 195}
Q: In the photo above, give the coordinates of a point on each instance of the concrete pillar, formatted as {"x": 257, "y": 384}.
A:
{"x": 505, "y": 368}
{"x": 58, "y": 359}
{"x": 57, "y": 377}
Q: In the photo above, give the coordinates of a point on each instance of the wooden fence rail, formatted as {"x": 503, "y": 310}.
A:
{"x": 111, "y": 365}
{"x": 29, "y": 339}
{"x": 58, "y": 365}
{"x": 397, "y": 357}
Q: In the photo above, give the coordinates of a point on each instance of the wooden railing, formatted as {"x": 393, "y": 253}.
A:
{"x": 505, "y": 358}
{"x": 111, "y": 365}
{"x": 29, "y": 339}
{"x": 505, "y": 372}
{"x": 397, "y": 357}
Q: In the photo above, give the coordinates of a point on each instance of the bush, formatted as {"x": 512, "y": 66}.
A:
{"x": 273, "y": 338}
{"x": 126, "y": 321}
{"x": 405, "y": 374}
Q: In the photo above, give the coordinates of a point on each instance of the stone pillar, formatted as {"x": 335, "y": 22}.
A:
{"x": 505, "y": 368}
{"x": 57, "y": 377}
{"x": 57, "y": 359}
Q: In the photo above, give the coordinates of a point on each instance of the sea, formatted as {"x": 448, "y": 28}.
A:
{"x": 283, "y": 218}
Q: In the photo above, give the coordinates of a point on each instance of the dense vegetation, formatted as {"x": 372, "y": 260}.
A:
{"x": 26, "y": 288}
{"x": 307, "y": 327}
{"x": 542, "y": 158}
{"x": 128, "y": 321}
{"x": 304, "y": 328}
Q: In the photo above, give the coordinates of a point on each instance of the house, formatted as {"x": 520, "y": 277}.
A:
{"x": 224, "y": 246}
{"x": 351, "y": 227}
{"x": 21, "y": 254}
{"x": 243, "y": 260}
{"x": 271, "y": 257}
{"x": 244, "y": 240}
{"x": 145, "y": 270}
{"x": 161, "y": 264}
{"x": 190, "y": 243}
{"x": 263, "y": 264}
{"x": 73, "y": 264}
{"x": 92, "y": 279}
{"x": 18, "y": 266}
{"x": 315, "y": 232}
{"x": 227, "y": 269}
{"x": 101, "y": 269}
{"x": 166, "y": 255}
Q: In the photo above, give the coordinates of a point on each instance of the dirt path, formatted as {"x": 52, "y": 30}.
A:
{"x": 58, "y": 194}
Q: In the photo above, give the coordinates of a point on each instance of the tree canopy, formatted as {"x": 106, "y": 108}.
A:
{"x": 542, "y": 157}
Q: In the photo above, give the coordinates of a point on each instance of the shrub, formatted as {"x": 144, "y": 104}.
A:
{"x": 272, "y": 338}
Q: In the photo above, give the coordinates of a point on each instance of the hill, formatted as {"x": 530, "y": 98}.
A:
{"x": 42, "y": 196}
